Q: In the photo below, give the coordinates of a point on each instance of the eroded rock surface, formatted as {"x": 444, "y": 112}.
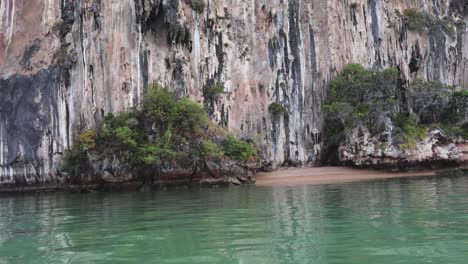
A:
{"x": 64, "y": 64}
{"x": 437, "y": 150}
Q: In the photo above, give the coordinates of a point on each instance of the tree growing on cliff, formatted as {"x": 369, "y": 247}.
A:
{"x": 375, "y": 100}
{"x": 276, "y": 109}
{"x": 76, "y": 160}
{"x": 238, "y": 149}
{"x": 459, "y": 105}
{"x": 423, "y": 21}
{"x": 435, "y": 105}
{"x": 214, "y": 91}
{"x": 358, "y": 96}
{"x": 409, "y": 132}
{"x": 429, "y": 100}
{"x": 198, "y": 5}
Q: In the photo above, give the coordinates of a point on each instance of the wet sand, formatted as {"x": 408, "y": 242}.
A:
{"x": 329, "y": 175}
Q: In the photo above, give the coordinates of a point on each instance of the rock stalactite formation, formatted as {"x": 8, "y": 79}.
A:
{"x": 64, "y": 64}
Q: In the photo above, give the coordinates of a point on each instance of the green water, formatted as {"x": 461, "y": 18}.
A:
{"x": 394, "y": 221}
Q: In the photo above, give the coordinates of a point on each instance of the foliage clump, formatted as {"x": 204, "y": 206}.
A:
{"x": 428, "y": 100}
{"x": 59, "y": 27}
{"x": 453, "y": 121}
{"x": 179, "y": 34}
{"x": 198, "y": 5}
{"x": 164, "y": 129}
{"x": 416, "y": 20}
{"x": 422, "y": 21}
{"x": 437, "y": 106}
{"x": 359, "y": 97}
{"x": 215, "y": 91}
{"x": 461, "y": 94}
{"x": 76, "y": 158}
{"x": 62, "y": 57}
{"x": 238, "y": 149}
{"x": 276, "y": 109}
{"x": 459, "y": 7}
{"x": 408, "y": 131}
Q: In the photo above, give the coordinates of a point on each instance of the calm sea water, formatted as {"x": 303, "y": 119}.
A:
{"x": 393, "y": 221}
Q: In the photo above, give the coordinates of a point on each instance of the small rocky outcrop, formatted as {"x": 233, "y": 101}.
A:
{"x": 375, "y": 121}
{"x": 436, "y": 150}
{"x": 212, "y": 172}
{"x": 166, "y": 140}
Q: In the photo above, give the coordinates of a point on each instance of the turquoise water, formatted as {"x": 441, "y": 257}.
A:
{"x": 394, "y": 221}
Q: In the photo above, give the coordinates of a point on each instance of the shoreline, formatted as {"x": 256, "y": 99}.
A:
{"x": 337, "y": 175}
{"x": 282, "y": 177}
{"x": 132, "y": 186}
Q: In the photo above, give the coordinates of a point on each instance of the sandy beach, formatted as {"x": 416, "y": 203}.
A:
{"x": 328, "y": 175}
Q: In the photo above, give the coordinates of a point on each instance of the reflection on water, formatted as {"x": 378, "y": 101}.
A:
{"x": 394, "y": 221}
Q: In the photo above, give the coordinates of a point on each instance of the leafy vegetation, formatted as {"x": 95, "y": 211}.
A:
{"x": 459, "y": 7}
{"x": 75, "y": 160}
{"x": 436, "y": 106}
{"x": 461, "y": 94}
{"x": 198, "y": 5}
{"x": 369, "y": 98}
{"x": 276, "y": 109}
{"x": 214, "y": 91}
{"x": 164, "y": 129}
{"x": 427, "y": 99}
{"x": 59, "y": 27}
{"x": 452, "y": 130}
{"x": 358, "y": 96}
{"x": 408, "y": 130}
{"x": 457, "y": 109}
{"x": 238, "y": 149}
{"x": 62, "y": 57}
{"x": 463, "y": 131}
{"x": 179, "y": 33}
{"x": 422, "y": 21}
{"x": 416, "y": 20}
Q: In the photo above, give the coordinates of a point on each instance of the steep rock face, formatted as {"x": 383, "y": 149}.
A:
{"x": 64, "y": 64}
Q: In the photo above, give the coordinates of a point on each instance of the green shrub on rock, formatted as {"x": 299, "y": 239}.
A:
{"x": 460, "y": 102}
{"x": 76, "y": 158}
{"x": 428, "y": 100}
{"x": 359, "y": 96}
{"x": 198, "y": 5}
{"x": 238, "y": 149}
{"x": 375, "y": 100}
{"x": 457, "y": 111}
{"x": 463, "y": 131}
{"x": 214, "y": 91}
{"x": 408, "y": 131}
{"x": 188, "y": 119}
{"x": 422, "y": 21}
{"x": 276, "y": 109}
{"x": 452, "y": 130}
{"x": 416, "y": 20}
{"x": 165, "y": 129}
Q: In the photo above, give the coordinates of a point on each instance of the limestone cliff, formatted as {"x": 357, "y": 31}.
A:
{"x": 64, "y": 64}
